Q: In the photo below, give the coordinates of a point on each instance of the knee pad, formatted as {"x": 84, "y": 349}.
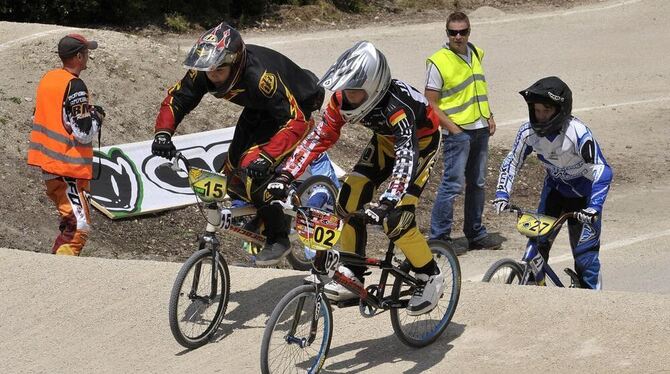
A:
{"x": 398, "y": 222}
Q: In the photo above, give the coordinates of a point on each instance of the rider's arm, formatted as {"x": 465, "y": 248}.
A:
{"x": 406, "y": 150}
{"x": 324, "y": 135}
{"x": 181, "y": 99}
{"x": 600, "y": 172}
{"x": 513, "y": 162}
{"x": 79, "y": 120}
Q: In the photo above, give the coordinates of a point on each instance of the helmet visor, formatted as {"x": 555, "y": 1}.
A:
{"x": 206, "y": 57}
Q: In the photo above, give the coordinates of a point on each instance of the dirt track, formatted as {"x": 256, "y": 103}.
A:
{"x": 115, "y": 320}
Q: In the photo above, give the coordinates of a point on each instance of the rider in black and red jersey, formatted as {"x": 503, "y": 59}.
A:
{"x": 404, "y": 146}
{"x": 278, "y": 99}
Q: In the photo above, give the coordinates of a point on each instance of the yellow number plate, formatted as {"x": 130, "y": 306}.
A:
{"x": 207, "y": 185}
{"x": 534, "y": 225}
{"x": 318, "y": 229}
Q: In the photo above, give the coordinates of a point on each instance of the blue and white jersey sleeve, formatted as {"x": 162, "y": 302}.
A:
{"x": 514, "y": 161}
{"x": 596, "y": 168}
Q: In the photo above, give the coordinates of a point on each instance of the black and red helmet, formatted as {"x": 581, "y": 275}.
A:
{"x": 218, "y": 47}
{"x": 551, "y": 91}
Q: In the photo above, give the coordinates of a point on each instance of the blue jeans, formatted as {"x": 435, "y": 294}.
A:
{"x": 465, "y": 157}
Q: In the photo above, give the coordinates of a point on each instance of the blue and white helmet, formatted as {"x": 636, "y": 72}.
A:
{"x": 361, "y": 67}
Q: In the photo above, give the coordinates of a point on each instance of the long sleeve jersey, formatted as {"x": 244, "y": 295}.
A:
{"x": 270, "y": 82}
{"x": 574, "y": 163}
{"x": 78, "y": 118}
{"x": 403, "y": 115}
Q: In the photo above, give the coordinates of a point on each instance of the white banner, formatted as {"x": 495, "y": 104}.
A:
{"x": 131, "y": 182}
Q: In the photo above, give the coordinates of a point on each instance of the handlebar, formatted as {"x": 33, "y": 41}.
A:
{"x": 559, "y": 221}
{"x": 174, "y": 162}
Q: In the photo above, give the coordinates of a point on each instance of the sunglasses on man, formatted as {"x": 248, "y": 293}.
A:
{"x": 464, "y": 32}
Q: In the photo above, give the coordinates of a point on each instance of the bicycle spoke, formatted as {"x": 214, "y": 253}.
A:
{"x": 289, "y": 328}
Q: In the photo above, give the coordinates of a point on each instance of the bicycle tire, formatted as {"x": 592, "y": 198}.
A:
{"x": 287, "y": 340}
{"x": 450, "y": 267}
{"x": 298, "y": 258}
{"x": 195, "y": 307}
{"x": 494, "y": 273}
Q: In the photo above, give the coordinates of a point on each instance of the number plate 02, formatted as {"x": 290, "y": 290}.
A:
{"x": 332, "y": 262}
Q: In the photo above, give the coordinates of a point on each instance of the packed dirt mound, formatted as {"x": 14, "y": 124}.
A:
{"x": 83, "y": 315}
{"x": 129, "y": 76}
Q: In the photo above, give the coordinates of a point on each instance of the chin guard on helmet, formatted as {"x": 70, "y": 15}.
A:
{"x": 361, "y": 67}
{"x": 551, "y": 91}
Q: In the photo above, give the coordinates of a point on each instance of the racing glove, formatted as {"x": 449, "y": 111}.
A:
{"x": 163, "y": 146}
{"x": 376, "y": 214}
{"x": 588, "y": 215}
{"x": 500, "y": 205}
{"x": 259, "y": 167}
{"x": 280, "y": 185}
{"x": 98, "y": 109}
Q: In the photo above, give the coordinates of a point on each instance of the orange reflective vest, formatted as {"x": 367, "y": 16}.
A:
{"x": 51, "y": 147}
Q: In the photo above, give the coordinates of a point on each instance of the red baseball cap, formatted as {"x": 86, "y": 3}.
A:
{"x": 70, "y": 44}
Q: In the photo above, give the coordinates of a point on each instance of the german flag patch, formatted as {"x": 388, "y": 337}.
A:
{"x": 397, "y": 117}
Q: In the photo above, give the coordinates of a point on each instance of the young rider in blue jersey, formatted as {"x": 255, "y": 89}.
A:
{"x": 578, "y": 177}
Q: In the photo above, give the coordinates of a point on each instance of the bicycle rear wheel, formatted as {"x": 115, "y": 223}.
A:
{"x": 300, "y": 257}
{"x": 198, "y": 299}
{"x": 422, "y": 330}
{"x": 297, "y": 336}
{"x": 504, "y": 271}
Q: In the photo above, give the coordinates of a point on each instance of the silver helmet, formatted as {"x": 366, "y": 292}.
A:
{"x": 361, "y": 67}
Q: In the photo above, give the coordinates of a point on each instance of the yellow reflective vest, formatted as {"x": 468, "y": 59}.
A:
{"x": 51, "y": 147}
{"x": 464, "y": 94}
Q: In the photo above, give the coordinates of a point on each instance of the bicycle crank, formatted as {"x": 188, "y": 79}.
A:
{"x": 367, "y": 310}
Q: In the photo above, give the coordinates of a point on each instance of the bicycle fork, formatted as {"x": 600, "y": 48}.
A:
{"x": 207, "y": 238}
{"x": 314, "y": 323}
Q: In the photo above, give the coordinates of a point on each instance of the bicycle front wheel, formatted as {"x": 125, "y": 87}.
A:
{"x": 504, "y": 271}
{"x": 297, "y": 336}
{"x": 420, "y": 331}
{"x": 317, "y": 191}
{"x": 199, "y": 299}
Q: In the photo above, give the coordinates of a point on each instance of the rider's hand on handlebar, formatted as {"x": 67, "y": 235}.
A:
{"x": 280, "y": 185}
{"x": 588, "y": 215}
{"x": 259, "y": 167}
{"x": 163, "y": 146}
{"x": 500, "y": 205}
{"x": 377, "y": 213}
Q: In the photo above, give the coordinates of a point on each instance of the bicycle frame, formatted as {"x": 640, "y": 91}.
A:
{"x": 366, "y": 297}
{"x": 533, "y": 259}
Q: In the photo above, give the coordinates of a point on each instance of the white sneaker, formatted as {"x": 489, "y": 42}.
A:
{"x": 426, "y": 296}
{"x": 337, "y": 292}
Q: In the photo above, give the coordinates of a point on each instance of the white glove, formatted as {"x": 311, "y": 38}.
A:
{"x": 500, "y": 205}
{"x": 588, "y": 215}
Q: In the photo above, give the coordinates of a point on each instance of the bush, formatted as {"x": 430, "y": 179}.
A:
{"x": 352, "y": 6}
{"x": 178, "y": 15}
{"x": 176, "y": 22}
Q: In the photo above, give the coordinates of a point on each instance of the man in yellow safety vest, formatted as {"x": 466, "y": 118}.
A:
{"x": 456, "y": 85}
